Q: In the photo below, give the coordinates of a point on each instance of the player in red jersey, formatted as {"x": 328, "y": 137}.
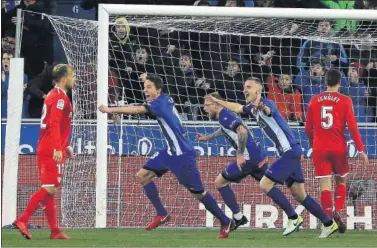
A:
{"x": 52, "y": 150}
{"x": 326, "y": 120}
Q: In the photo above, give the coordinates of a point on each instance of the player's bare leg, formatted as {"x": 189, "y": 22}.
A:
{"x": 294, "y": 221}
{"x": 145, "y": 178}
{"x": 298, "y": 192}
{"x": 340, "y": 198}
{"x": 227, "y": 225}
{"x": 229, "y": 198}
{"x": 326, "y": 197}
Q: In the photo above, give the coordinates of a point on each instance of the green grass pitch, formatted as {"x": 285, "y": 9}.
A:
{"x": 188, "y": 238}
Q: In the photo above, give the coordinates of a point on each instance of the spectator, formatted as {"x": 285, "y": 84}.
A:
{"x": 359, "y": 92}
{"x": 8, "y": 42}
{"x": 33, "y": 47}
{"x": 230, "y": 84}
{"x": 311, "y": 82}
{"x": 6, "y": 57}
{"x": 370, "y": 4}
{"x": 286, "y": 96}
{"x": 38, "y": 89}
{"x": 349, "y": 25}
{"x": 185, "y": 83}
{"x": 332, "y": 52}
{"x": 371, "y": 80}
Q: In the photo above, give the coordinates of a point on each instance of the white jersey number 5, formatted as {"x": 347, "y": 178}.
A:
{"x": 327, "y": 117}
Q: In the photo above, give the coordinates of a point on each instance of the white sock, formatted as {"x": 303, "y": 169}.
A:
{"x": 238, "y": 215}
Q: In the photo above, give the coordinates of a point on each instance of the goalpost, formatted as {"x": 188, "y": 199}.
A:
{"x": 196, "y": 50}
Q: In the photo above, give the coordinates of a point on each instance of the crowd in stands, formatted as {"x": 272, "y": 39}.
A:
{"x": 193, "y": 64}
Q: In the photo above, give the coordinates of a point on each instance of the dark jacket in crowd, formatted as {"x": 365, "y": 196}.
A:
{"x": 38, "y": 87}
{"x": 36, "y": 45}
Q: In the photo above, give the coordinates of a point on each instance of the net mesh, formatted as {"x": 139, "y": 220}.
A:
{"x": 196, "y": 56}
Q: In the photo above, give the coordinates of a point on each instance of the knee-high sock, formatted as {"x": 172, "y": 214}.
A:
{"x": 152, "y": 193}
{"x": 315, "y": 209}
{"x": 211, "y": 205}
{"x": 33, "y": 204}
{"x": 50, "y": 212}
{"x": 326, "y": 202}
{"x": 340, "y": 197}
{"x": 279, "y": 198}
{"x": 229, "y": 198}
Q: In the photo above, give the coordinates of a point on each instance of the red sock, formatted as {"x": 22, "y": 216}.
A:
{"x": 33, "y": 204}
{"x": 50, "y": 212}
{"x": 340, "y": 197}
{"x": 326, "y": 202}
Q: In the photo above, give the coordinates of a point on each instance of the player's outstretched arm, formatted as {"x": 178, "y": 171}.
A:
{"x": 235, "y": 107}
{"x": 132, "y": 110}
{"x": 202, "y": 137}
{"x": 242, "y": 140}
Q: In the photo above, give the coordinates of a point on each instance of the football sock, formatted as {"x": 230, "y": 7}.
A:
{"x": 326, "y": 202}
{"x": 33, "y": 204}
{"x": 279, "y": 198}
{"x": 50, "y": 212}
{"x": 315, "y": 209}
{"x": 152, "y": 193}
{"x": 211, "y": 205}
{"x": 238, "y": 216}
{"x": 229, "y": 198}
{"x": 340, "y": 197}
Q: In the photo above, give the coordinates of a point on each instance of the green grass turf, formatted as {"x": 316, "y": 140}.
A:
{"x": 188, "y": 238}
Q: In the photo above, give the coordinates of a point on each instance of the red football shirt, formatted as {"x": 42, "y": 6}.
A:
{"x": 55, "y": 123}
{"x": 326, "y": 120}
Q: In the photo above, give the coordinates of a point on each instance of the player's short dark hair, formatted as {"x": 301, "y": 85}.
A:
{"x": 257, "y": 80}
{"x": 157, "y": 80}
{"x": 333, "y": 77}
{"x": 216, "y": 95}
{"x": 60, "y": 71}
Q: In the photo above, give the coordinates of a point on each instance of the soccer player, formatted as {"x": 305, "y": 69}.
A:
{"x": 179, "y": 157}
{"x": 287, "y": 169}
{"x": 52, "y": 150}
{"x": 326, "y": 120}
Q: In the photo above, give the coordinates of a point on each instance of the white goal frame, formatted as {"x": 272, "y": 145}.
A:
{"x": 104, "y": 12}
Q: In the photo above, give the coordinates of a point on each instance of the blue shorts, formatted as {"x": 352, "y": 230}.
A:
{"x": 232, "y": 173}
{"x": 182, "y": 166}
{"x": 287, "y": 169}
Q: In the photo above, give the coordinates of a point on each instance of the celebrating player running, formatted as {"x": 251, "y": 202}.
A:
{"x": 53, "y": 148}
{"x": 326, "y": 120}
{"x": 179, "y": 157}
{"x": 287, "y": 169}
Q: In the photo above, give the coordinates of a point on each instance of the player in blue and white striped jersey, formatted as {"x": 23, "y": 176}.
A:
{"x": 287, "y": 169}
{"x": 251, "y": 157}
{"x": 179, "y": 157}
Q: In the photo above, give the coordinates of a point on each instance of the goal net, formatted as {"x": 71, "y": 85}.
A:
{"x": 196, "y": 55}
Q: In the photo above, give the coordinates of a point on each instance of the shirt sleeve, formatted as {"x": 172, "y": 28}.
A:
{"x": 352, "y": 126}
{"x": 309, "y": 124}
{"x": 56, "y": 115}
{"x": 248, "y": 108}
{"x": 231, "y": 122}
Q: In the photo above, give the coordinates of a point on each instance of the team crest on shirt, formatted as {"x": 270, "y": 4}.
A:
{"x": 60, "y": 104}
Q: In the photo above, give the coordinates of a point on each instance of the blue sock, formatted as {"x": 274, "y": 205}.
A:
{"x": 315, "y": 209}
{"x": 211, "y": 205}
{"x": 229, "y": 198}
{"x": 152, "y": 193}
{"x": 279, "y": 198}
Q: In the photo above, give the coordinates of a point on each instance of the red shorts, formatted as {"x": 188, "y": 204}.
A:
{"x": 327, "y": 163}
{"x": 50, "y": 172}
